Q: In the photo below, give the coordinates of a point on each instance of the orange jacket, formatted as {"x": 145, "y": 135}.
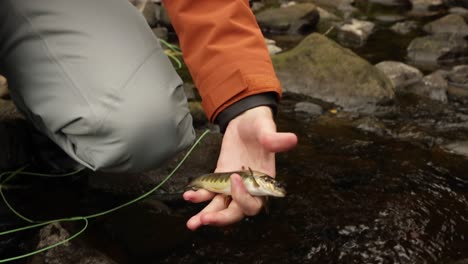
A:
{"x": 224, "y": 50}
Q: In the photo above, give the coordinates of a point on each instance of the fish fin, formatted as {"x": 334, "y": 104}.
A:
{"x": 253, "y": 178}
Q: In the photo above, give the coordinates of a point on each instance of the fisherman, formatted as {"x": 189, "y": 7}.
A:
{"x": 91, "y": 76}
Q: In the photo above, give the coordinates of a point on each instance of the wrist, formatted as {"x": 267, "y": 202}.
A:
{"x": 267, "y": 100}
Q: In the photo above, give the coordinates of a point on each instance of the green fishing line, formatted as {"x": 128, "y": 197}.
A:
{"x": 35, "y": 224}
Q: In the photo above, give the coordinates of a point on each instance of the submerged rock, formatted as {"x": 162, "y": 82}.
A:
{"x": 356, "y": 33}
{"x": 453, "y": 24}
{"x": 433, "y": 86}
{"x": 308, "y": 108}
{"x": 295, "y": 19}
{"x": 432, "y": 52}
{"x": 458, "y": 147}
{"x": 400, "y": 74}
{"x": 405, "y": 27}
{"x": 320, "y": 68}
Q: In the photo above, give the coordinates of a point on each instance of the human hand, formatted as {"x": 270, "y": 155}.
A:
{"x": 251, "y": 141}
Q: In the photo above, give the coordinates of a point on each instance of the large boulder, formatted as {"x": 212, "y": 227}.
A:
{"x": 431, "y": 52}
{"x": 294, "y": 19}
{"x": 452, "y": 24}
{"x": 320, "y": 68}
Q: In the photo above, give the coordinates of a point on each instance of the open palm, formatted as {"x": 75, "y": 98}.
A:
{"x": 251, "y": 141}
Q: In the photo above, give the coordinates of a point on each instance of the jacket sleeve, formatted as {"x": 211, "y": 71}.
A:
{"x": 224, "y": 50}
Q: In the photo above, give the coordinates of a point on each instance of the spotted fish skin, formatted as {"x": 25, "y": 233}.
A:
{"x": 256, "y": 183}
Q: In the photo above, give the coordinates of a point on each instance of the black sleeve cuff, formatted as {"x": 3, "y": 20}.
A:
{"x": 264, "y": 99}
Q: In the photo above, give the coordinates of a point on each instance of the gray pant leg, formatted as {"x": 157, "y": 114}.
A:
{"x": 91, "y": 75}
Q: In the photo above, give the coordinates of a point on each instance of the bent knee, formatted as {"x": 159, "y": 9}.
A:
{"x": 138, "y": 137}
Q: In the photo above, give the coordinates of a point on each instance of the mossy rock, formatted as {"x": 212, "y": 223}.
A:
{"x": 320, "y": 68}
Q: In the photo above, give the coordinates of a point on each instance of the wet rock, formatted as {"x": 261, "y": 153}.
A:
{"x": 389, "y": 18}
{"x": 328, "y": 21}
{"x": 256, "y": 6}
{"x": 400, "y": 74}
{"x": 371, "y": 125}
{"x": 344, "y": 8}
{"x": 70, "y": 252}
{"x": 320, "y": 68}
{"x": 390, "y": 2}
{"x": 271, "y": 46}
{"x": 296, "y": 19}
{"x": 459, "y": 11}
{"x": 356, "y": 33}
{"x": 3, "y": 87}
{"x": 405, "y": 27}
{"x": 453, "y": 24}
{"x": 458, "y": 81}
{"x": 432, "y": 52}
{"x": 308, "y": 108}
{"x": 147, "y": 9}
{"x": 459, "y": 148}
{"x": 160, "y": 32}
{"x": 433, "y": 86}
{"x": 427, "y": 8}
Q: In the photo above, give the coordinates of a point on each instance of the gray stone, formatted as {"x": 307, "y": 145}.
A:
{"x": 458, "y": 147}
{"x": 147, "y": 9}
{"x": 271, "y": 46}
{"x": 433, "y": 86}
{"x": 426, "y": 8}
{"x": 459, "y": 11}
{"x": 458, "y": 81}
{"x": 308, "y": 108}
{"x": 3, "y": 87}
{"x": 430, "y": 52}
{"x": 400, "y": 74}
{"x": 390, "y": 2}
{"x": 453, "y": 24}
{"x": 160, "y": 32}
{"x": 296, "y": 19}
{"x": 356, "y": 33}
{"x": 404, "y": 27}
{"x": 320, "y": 68}
{"x": 70, "y": 252}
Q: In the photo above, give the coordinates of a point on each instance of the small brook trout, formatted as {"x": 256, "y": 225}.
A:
{"x": 257, "y": 183}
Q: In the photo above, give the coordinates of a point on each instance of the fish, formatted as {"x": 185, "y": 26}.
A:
{"x": 257, "y": 183}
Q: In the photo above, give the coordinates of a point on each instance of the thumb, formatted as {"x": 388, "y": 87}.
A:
{"x": 278, "y": 142}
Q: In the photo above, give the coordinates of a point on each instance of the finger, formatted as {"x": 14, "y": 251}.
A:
{"x": 278, "y": 142}
{"x": 248, "y": 204}
{"x": 198, "y": 196}
{"x": 228, "y": 216}
{"x": 217, "y": 204}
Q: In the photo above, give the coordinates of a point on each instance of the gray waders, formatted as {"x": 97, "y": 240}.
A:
{"x": 91, "y": 76}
